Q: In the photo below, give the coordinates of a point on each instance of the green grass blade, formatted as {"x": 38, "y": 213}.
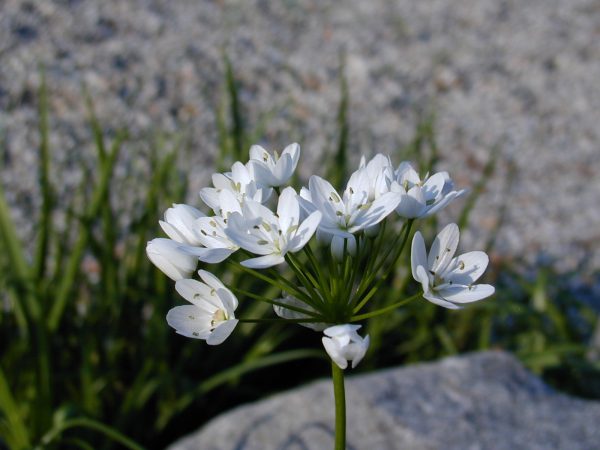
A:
{"x": 18, "y": 431}
{"x": 234, "y": 373}
{"x": 72, "y": 269}
{"x": 91, "y": 424}
{"x": 477, "y": 190}
{"x": 237, "y": 122}
{"x": 45, "y": 224}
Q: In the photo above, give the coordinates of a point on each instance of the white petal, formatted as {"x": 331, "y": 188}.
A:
{"x": 211, "y": 280}
{"x": 435, "y": 299}
{"x": 412, "y": 205}
{"x": 360, "y": 349}
{"x": 432, "y": 188}
{"x": 259, "y": 153}
{"x": 283, "y": 170}
{"x": 229, "y": 301}
{"x": 443, "y": 248}
{"x": 344, "y": 329}
{"x": 189, "y": 321}
{"x": 305, "y": 232}
{"x": 379, "y": 210}
{"x": 288, "y": 209}
{"x": 210, "y": 196}
{"x": 194, "y": 292}
{"x": 423, "y": 277}
{"x": 466, "y": 294}
{"x": 213, "y": 255}
{"x": 172, "y": 232}
{"x": 333, "y": 350}
{"x": 467, "y": 268}
{"x": 294, "y": 151}
{"x": 263, "y": 262}
{"x": 222, "y": 332}
{"x": 168, "y": 257}
{"x": 262, "y": 173}
{"x": 418, "y": 254}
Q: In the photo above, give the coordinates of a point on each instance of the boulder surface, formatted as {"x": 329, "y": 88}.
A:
{"x": 481, "y": 401}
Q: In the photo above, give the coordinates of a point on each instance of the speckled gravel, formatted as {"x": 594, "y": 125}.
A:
{"x": 521, "y": 77}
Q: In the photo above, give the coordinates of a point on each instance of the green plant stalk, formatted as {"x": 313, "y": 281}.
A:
{"x": 113, "y": 434}
{"x": 339, "y": 393}
{"x": 68, "y": 280}
{"x": 19, "y": 437}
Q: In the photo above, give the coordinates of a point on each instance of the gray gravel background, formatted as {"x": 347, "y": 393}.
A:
{"x": 519, "y": 76}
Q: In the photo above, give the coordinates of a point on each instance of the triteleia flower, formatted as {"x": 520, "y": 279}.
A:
{"x": 211, "y": 315}
{"x": 343, "y": 216}
{"x": 273, "y": 170}
{"x": 343, "y": 344}
{"x": 448, "y": 281}
{"x": 260, "y": 231}
{"x": 170, "y": 258}
{"x": 422, "y": 198}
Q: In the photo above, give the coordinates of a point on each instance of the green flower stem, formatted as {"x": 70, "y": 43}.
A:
{"x": 387, "y": 309}
{"x": 312, "y": 314}
{"x": 339, "y": 393}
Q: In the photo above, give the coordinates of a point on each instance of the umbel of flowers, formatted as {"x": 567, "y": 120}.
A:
{"x": 339, "y": 248}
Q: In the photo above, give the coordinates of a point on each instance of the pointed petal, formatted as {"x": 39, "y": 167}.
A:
{"x": 418, "y": 254}
{"x": 213, "y": 255}
{"x": 283, "y": 170}
{"x": 305, "y": 231}
{"x": 259, "y": 153}
{"x": 193, "y": 291}
{"x": 423, "y": 278}
{"x": 467, "y": 268}
{"x": 189, "y": 321}
{"x": 263, "y": 262}
{"x": 443, "y": 248}
{"x": 333, "y": 350}
{"x": 466, "y": 294}
{"x": 222, "y": 332}
{"x": 288, "y": 209}
{"x": 440, "y": 301}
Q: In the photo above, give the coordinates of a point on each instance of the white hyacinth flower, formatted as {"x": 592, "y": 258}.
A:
{"x": 350, "y": 213}
{"x": 422, "y": 198}
{"x": 240, "y": 181}
{"x": 211, "y": 315}
{"x": 448, "y": 281}
{"x": 286, "y": 313}
{"x": 170, "y": 258}
{"x": 343, "y": 344}
{"x": 262, "y": 232}
{"x": 273, "y": 171}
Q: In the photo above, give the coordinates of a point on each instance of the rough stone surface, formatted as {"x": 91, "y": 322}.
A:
{"x": 515, "y": 75}
{"x": 482, "y": 401}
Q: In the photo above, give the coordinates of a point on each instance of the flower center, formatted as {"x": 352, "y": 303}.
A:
{"x": 218, "y": 317}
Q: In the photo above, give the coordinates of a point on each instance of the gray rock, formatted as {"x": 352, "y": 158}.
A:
{"x": 481, "y": 401}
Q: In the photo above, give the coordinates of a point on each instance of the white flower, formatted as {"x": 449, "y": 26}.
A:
{"x": 448, "y": 281}
{"x": 273, "y": 170}
{"x": 179, "y": 224}
{"x": 380, "y": 174}
{"x": 343, "y": 344}
{"x": 240, "y": 181}
{"x": 343, "y": 216}
{"x": 260, "y": 231}
{"x": 211, "y": 314}
{"x": 286, "y": 313}
{"x": 422, "y": 198}
{"x": 170, "y": 258}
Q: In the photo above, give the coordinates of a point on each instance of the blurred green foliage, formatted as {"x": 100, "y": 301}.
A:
{"x": 88, "y": 361}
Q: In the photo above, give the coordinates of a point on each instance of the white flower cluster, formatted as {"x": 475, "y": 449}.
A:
{"x": 255, "y": 214}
